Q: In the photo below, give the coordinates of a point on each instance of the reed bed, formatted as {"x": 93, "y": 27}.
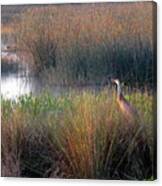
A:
{"x": 83, "y": 134}
{"x": 78, "y": 135}
{"x": 84, "y": 43}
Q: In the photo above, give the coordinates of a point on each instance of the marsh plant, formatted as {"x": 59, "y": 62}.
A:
{"x": 82, "y": 134}
{"x": 77, "y": 136}
{"x": 84, "y": 43}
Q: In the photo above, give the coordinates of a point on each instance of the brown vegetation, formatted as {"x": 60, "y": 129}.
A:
{"x": 86, "y": 42}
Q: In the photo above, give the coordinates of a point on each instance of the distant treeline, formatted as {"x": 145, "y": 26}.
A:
{"x": 82, "y": 44}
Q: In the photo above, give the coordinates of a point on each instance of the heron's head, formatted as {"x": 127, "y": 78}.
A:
{"x": 115, "y": 81}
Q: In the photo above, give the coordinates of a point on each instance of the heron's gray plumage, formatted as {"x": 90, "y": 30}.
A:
{"x": 127, "y": 109}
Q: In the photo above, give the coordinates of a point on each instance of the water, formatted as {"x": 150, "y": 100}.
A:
{"x": 21, "y": 82}
{"x": 14, "y": 85}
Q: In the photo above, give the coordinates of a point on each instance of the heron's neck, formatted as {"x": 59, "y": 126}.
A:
{"x": 118, "y": 90}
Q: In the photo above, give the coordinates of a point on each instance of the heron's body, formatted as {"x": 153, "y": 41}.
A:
{"x": 127, "y": 109}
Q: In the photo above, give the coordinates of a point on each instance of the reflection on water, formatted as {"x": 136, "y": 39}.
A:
{"x": 15, "y": 84}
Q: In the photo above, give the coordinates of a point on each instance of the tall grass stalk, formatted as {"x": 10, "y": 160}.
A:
{"x": 82, "y": 44}
{"x": 79, "y": 135}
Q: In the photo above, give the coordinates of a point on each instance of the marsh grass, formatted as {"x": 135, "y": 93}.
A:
{"x": 78, "y": 135}
{"x": 86, "y": 42}
{"x": 82, "y": 134}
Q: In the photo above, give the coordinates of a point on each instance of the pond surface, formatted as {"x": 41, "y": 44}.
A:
{"x": 18, "y": 83}
{"x": 14, "y": 85}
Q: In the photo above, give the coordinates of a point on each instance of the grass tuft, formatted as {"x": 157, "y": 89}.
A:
{"x": 78, "y": 135}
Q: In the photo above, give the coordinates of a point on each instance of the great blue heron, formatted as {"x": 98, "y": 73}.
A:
{"x": 127, "y": 109}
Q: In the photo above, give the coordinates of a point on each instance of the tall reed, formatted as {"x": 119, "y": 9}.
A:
{"x": 78, "y": 136}
{"x": 84, "y": 43}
